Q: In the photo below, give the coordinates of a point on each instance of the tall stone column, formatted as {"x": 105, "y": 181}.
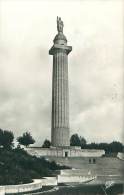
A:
{"x": 60, "y": 90}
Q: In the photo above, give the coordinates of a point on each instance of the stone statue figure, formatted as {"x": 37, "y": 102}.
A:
{"x": 59, "y": 25}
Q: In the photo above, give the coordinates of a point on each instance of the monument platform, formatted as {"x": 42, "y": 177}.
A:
{"x": 64, "y": 152}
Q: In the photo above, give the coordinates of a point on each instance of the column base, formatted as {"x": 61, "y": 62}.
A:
{"x": 60, "y": 137}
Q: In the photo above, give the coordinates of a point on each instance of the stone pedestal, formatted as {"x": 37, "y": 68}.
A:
{"x": 60, "y": 92}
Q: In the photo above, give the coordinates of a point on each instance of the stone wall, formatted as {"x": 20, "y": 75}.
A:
{"x": 49, "y": 181}
{"x": 11, "y": 189}
{"x": 73, "y": 172}
{"x": 64, "y": 152}
{"x": 24, "y": 188}
{"x": 73, "y": 179}
{"x": 121, "y": 155}
{"x": 38, "y": 183}
{"x": 2, "y": 190}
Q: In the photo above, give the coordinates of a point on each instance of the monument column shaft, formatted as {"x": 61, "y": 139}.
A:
{"x": 60, "y": 91}
{"x": 60, "y": 99}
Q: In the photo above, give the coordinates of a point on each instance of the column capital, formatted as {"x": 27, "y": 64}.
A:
{"x": 56, "y": 47}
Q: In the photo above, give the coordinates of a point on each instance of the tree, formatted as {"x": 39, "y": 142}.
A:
{"x": 6, "y": 139}
{"x": 1, "y": 137}
{"x": 26, "y": 139}
{"x": 83, "y": 142}
{"x": 75, "y": 140}
{"x": 115, "y": 147}
{"x": 46, "y": 144}
{"x": 103, "y": 146}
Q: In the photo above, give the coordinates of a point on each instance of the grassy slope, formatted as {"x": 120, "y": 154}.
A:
{"x": 17, "y": 166}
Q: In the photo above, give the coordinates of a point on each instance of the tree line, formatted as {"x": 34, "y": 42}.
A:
{"x": 80, "y": 141}
{"x": 7, "y": 139}
{"x": 114, "y": 146}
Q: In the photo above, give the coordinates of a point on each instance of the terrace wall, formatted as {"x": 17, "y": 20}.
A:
{"x": 11, "y": 189}
{"x": 60, "y": 152}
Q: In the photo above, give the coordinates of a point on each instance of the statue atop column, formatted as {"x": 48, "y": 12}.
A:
{"x": 60, "y": 25}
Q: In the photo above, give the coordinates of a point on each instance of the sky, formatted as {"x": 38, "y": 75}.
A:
{"x": 94, "y": 29}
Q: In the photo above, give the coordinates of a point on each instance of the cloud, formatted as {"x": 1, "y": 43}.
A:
{"x": 95, "y": 67}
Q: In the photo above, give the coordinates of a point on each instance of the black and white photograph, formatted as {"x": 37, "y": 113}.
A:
{"x": 61, "y": 97}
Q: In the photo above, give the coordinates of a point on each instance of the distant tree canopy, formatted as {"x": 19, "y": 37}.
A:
{"x": 77, "y": 140}
{"x": 26, "y": 139}
{"x": 112, "y": 147}
{"x": 108, "y": 147}
{"x": 83, "y": 141}
{"x": 6, "y": 139}
{"x": 46, "y": 144}
{"x": 115, "y": 147}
